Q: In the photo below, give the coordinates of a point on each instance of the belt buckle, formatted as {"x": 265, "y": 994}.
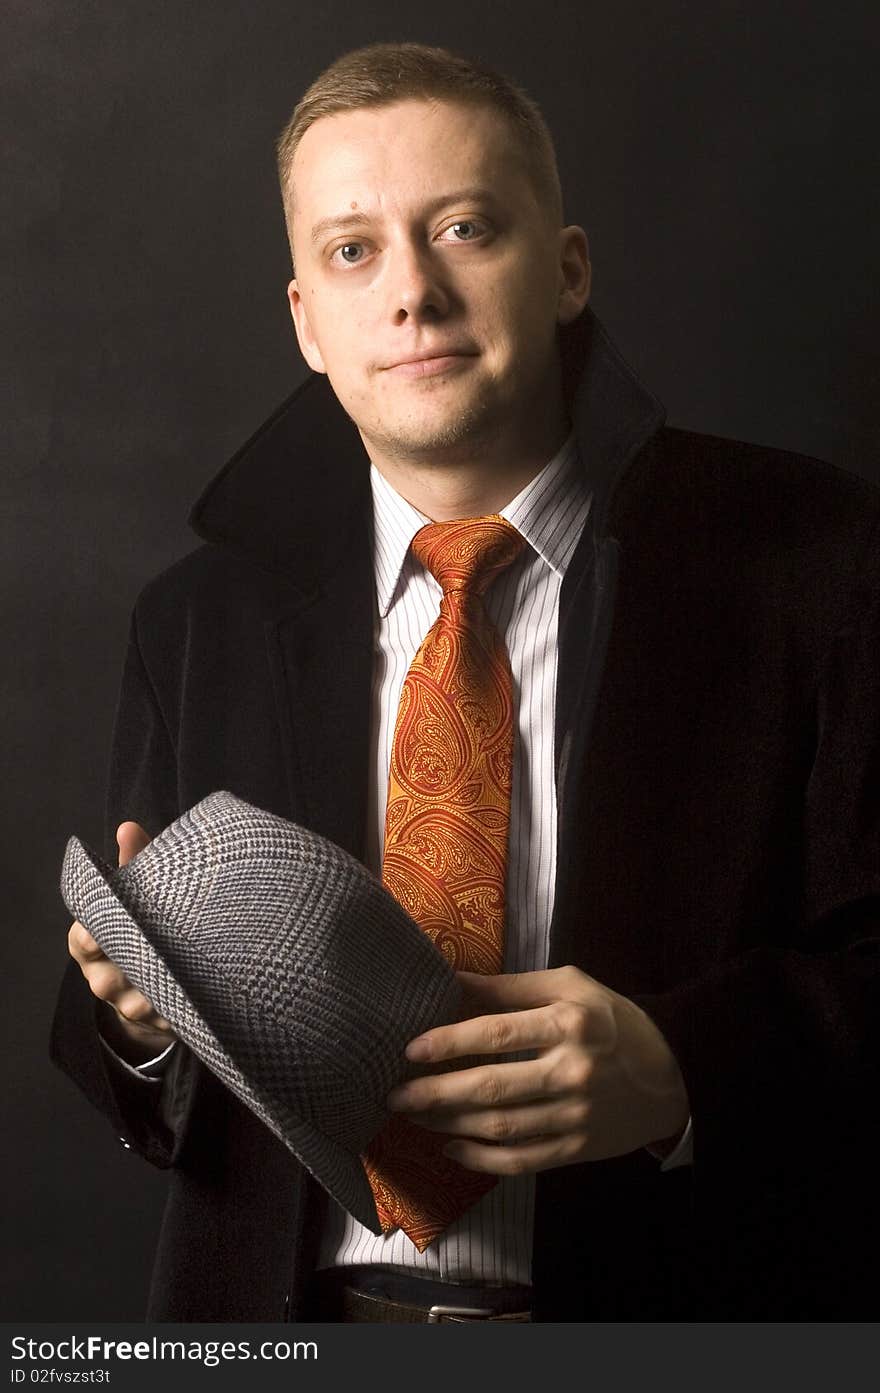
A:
{"x": 436, "y": 1313}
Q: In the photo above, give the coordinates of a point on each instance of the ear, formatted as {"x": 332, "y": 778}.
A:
{"x": 575, "y": 273}
{"x": 308, "y": 345}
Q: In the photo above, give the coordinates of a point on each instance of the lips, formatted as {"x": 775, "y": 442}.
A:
{"x": 430, "y": 363}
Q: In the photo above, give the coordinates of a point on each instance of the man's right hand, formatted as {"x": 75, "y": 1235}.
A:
{"x": 130, "y": 1023}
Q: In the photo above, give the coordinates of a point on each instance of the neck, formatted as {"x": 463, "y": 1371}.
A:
{"x": 462, "y": 493}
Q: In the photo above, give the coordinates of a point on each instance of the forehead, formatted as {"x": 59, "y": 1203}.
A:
{"x": 394, "y": 155}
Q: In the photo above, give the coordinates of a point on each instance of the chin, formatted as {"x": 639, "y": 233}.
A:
{"x": 431, "y": 436}
{"x": 442, "y": 429}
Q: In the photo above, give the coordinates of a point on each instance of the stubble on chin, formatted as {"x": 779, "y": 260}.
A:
{"x": 434, "y": 436}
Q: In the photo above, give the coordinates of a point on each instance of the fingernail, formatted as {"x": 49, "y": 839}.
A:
{"x": 418, "y": 1049}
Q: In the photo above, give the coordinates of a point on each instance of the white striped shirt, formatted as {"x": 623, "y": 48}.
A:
{"x": 493, "y": 1240}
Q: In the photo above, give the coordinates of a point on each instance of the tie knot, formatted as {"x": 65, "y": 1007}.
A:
{"x": 468, "y": 553}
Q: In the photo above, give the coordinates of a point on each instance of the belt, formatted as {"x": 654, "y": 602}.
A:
{"x": 349, "y": 1294}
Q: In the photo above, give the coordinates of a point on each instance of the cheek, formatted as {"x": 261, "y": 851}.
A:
{"x": 337, "y": 335}
{"x": 522, "y": 298}
{"x": 516, "y": 330}
{"x": 346, "y": 328}
{"x": 345, "y": 341}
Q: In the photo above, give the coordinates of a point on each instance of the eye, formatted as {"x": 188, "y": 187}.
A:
{"x": 350, "y": 253}
{"x": 465, "y": 230}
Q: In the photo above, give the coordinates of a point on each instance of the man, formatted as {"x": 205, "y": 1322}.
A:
{"x": 681, "y": 1112}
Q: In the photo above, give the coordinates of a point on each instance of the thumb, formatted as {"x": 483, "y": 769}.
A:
{"x": 130, "y": 838}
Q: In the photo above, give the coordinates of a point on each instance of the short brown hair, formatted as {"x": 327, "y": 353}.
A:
{"x": 380, "y": 74}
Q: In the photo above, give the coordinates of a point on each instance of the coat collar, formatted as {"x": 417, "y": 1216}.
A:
{"x": 307, "y": 464}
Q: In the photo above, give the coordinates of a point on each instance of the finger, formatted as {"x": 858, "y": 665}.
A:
{"x": 485, "y": 1086}
{"x": 541, "y": 1154}
{"x": 130, "y": 838}
{"x": 516, "y": 991}
{"x": 535, "y": 1029}
{"x": 106, "y": 980}
{"x": 513, "y": 1125}
{"x": 81, "y": 945}
{"x": 134, "y": 1006}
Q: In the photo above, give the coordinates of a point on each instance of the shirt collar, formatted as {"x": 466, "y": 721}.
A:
{"x": 549, "y": 512}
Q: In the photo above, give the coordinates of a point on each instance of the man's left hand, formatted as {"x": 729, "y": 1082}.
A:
{"x": 603, "y": 1080}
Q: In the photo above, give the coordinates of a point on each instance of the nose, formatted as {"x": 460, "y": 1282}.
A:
{"x": 416, "y": 286}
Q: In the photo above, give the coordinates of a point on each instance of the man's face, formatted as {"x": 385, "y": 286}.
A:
{"x": 429, "y": 278}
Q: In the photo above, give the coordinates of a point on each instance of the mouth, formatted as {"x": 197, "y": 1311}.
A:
{"x": 429, "y": 364}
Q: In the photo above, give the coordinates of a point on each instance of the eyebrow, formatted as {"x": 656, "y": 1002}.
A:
{"x": 344, "y": 222}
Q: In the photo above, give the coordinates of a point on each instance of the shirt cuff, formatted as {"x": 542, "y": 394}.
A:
{"x": 151, "y": 1070}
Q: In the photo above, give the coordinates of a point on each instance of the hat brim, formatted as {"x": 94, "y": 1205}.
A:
{"x": 89, "y": 892}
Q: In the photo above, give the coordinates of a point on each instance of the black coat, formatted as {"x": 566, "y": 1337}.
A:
{"x": 718, "y": 768}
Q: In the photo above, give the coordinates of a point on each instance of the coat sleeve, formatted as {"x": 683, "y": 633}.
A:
{"x": 149, "y": 1116}
{"x": 780, "y": 1047}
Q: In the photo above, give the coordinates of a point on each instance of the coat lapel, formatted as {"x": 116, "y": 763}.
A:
{"x": 295, "y": 500}
{"x": 614, "y": 416}
{"x": 321, "y": 659}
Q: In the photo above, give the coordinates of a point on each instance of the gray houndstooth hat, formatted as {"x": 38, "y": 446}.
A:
{"x": 282, "y": 963}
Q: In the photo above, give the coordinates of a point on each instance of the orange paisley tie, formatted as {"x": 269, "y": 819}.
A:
{"x": 446, "y": 832}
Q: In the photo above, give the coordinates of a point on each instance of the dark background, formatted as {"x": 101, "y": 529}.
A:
{"x": 721, "y": 157}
